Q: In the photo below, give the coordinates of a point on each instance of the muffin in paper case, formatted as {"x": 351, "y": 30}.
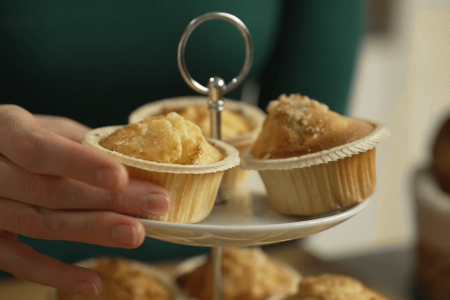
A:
{"x": 324, "y": 181}
{"x": 193, "y": 188}
{"x": 233, "y": 177}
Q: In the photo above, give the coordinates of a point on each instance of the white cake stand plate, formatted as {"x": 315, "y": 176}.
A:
{"x": 246, "y": 220}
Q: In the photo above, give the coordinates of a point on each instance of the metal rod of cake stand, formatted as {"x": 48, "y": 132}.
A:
{"x": 216, "y": 86}
{"x": 217, "y": 275}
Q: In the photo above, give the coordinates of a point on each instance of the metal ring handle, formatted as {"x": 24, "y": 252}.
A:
{"x": 248, "y": 51}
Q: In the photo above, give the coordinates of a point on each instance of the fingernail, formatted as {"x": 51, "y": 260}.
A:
{"x": 109, "y": 178}
{"x": 86, "y": 288}
{"x": 155, "y": 204}
{"x": 125, "y": 235}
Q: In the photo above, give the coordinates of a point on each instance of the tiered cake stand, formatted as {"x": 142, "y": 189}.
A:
{"x": 245, "y": 218}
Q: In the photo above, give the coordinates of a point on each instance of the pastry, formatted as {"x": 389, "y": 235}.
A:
{"x": 334, "y": 287}
{"x": 233, "y": 123}
{"x": 121, "y": 281}
{"x": 171, "y": 152}
{"x": 240, "y": 125}
{"x": 441, "y": 157}
{"x": 248, "y": 273}
{"x": 313, "y": 160}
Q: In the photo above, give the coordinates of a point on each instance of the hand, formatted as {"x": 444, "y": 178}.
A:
{"x": 54, "y": 188}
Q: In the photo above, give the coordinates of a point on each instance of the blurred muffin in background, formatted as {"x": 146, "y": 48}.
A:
{"x": 334, "y": 287}
{"x": 441, "y": 157}
{"x": 432, "y": 193}
{"x": 122, "y": 280}
{"x": 248, "y": 274}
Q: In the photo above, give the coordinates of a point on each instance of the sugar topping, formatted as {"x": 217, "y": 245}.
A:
{"x": 299, "y": 110}
{"x": 163, "y": 139}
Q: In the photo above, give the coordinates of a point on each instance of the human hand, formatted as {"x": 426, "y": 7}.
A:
{"x": 54, "y": 188}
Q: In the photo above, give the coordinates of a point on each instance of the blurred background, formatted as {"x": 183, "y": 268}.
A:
{"x": 382, "y": 89}
{"x": 380, "y": 82}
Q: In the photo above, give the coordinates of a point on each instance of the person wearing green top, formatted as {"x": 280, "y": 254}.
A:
{"x": 64, "y": 64}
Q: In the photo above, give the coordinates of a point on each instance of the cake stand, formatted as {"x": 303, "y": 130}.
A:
{"x": 240, "y": 217}
{"x": 246, "y": 219}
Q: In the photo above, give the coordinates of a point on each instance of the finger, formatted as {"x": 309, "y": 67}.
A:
{"x": 43, "y": 152}
{"x": 92, "y": 227}
{"x": 62, "y": 126}
{"x": 26, "y": 264}
{"x": 137, "y": 198}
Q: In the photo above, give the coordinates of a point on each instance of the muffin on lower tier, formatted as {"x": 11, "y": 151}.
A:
{"x": 171, "y": 152}
{"x": 334, "y": 287}
{"x": 241, "y": 124}
{"x": 248, "y": 274}
{"x": 125, "y": 279}
{"x": 313, "y": 160}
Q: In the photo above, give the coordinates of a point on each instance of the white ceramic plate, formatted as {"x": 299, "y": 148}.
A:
{"x": 246, "y": 220}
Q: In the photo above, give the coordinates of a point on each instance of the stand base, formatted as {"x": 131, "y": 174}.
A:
{"x": 246, "y": 220}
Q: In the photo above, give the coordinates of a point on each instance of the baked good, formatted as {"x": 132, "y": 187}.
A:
{"x": 432, "y": 194}
{"x": 313, "y": 160}
{"x": 441, "y": 156}
{"x": 297, "y": 125}
{"x": 248, "y": 273}
{"x": 171, "y": 152}
{"x": 240, "y": 124}
{"x": 122, "y": 281}
{"x": 334, "y": 287}
{"x": 233, "y": 123}
{"x": 170, "y": 139}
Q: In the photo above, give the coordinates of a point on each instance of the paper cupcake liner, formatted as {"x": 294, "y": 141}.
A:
{"x": 324, "y": 181}
{"x": 162, "y": 277}
{"x": 231, "y": 155}
{"x": 193, "y": 188}
{"x": 378, "y": 135}
{"x": 193, "y": 263}
{"x": 321, "y": 188}
{"x": 236, "y": 176}
{"x": 250, "y": 112}
{"x": 193, "y": 195}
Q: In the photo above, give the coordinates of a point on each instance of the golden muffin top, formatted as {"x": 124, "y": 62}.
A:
{"x": 248, "y": 274}
{"x": 297, "y": 125}
{"x": 232, "y": 123}
{"x": 334, "y": 287}
{"x": 164, "y": 139}
{"x": 121, "y": 281}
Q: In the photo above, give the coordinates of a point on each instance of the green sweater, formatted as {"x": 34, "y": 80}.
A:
{"x": 96, "y": 61}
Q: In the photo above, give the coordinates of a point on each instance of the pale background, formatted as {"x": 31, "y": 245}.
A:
{"x": 380, "y": 82}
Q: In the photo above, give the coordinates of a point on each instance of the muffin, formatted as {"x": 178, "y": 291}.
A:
{"x": 240, "y": 125}
{"x": 122, "y": 280}
{"x": 313, "y": 160}
{"x": 233, "y": 123}
{"x": 334, "y": 287}
{"x": 432, "y": 194}
{"x": 248, "y": 273}
{"x": 171, "y": 152}
{"x": 441, "y": 157}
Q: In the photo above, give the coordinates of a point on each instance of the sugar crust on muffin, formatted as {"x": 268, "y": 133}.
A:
{"x": 232, "y": 123}
{"x": 163, "y": 139}
{"x": 248, "y": 274}
{"x": 297, "y": 125}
